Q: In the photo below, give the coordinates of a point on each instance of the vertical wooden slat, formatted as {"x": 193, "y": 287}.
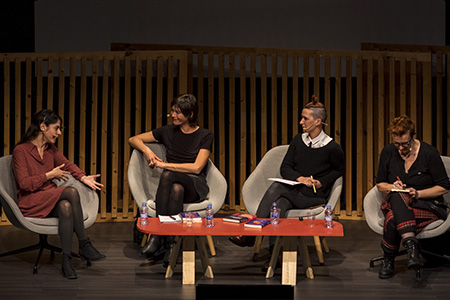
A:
{"x": 243, "y": 115}
{"x": 39, "y": 79}
{"x": 211, "y": 114}
{"x": 232, "y": 132}
{"x": 50, "y": 81}
{"x": 159, "y": 91}
{"x": 94, "y": 118}
{"x": 348, "y": 130}
{"x": 170, "y": 82}
{"x": 6, "y": 107}
{"x": 392, "y": 102}
{"x": 306, "y": 94}
{"x": 148, "y": 94}
{"x": 61, "y": 100}
{"x": 137, "y": 112}
{"x": 369, "y": 125}
{"x": 252, "y": 111}
{"x": 360, "y": 137}
{"x": 447, "y": 57}
{"x": 200, "y": 88}
{"x": 439, "y": 102}
{"x": 115, "y": 137}
{"x": 264, "y": 114}
{"x": 284, "y": 99}
{"x": 427, "y": 103}
{"x": 127, "y": 133}
{"x": 273, "y": 101}
{"x": 28, "y": 88}
{"x": 381, "y": 111}
{"x": 18, "y": 106}
{"x": 221, "y": 109}
{"x": 105, "y": 132}
{"x": 317, "y": 76}
{"x": 72, "y": 128}
{"x": 403, "y": 87}
{"x": 295, "y": 94}
{"x": 185, "y": 72}
{"x": 327, "y": 96}
{"x": 83, "y": 116}
{"x": 337, "y": 114}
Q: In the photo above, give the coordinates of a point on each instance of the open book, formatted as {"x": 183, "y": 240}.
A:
{"x": 285, "y": 181}
{"x": 399, "y": 191}
{"x": 170, "y": 219}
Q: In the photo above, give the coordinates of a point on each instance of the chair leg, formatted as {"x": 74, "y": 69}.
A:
{"x": 318, "y": 249}
{"x": 257, "y": 247}
{"x": 324, "y": 244}
{"x": 212, "y": 249}
{"x": 144, "y": 239}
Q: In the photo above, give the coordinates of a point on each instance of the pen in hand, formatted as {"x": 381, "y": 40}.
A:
{"x": 314, "y": 186}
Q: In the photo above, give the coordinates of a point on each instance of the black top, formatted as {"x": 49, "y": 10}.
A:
{"x": 325, "y": 164}
{"x": 427, "y": 170}
{"x": 181, "y": 147}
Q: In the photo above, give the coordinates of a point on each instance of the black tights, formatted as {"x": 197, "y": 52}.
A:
{"x": 70, "y": 214}
{"x": 174, "y": 189}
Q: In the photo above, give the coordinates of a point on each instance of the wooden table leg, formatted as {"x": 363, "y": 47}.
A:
{"x": 318, "y": 249}
{"x": 306, "y": 262}
{"x": 324, "y": 244}
{"x": 289, "y": 266}
{"x": 189, "y": 260}
{"x": 257, "y": 247}
{"x": 207, "y": 270}
{"x": 274, "y": 257}
{"x": 174, "y": 256}
{"x": 212, "y": 249}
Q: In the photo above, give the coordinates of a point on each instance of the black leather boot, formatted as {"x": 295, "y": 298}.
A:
{"x": 414, "y": 259}
{"x": 88, "y": 252}
{"x": 153, "y": 248}
{"x": 387, "y": 267}
{"x": 168, "y": 245}
{"x": 67, "y": 267}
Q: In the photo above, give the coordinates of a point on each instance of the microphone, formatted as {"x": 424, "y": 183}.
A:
{"x": 307, "y": 128}
{"x": 168, "y": 115}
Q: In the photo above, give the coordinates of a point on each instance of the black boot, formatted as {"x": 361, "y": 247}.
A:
{"x": 414, "y": 259}
{"x": 168, "y": 245}
{"x": 387, "y": 267}
{"x": 88, "y": 252}
{"x": 67, "y": 267}
{"x": 153, "y": 248}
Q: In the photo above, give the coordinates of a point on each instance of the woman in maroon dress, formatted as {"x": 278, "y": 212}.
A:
{"x": 36, "y": 162}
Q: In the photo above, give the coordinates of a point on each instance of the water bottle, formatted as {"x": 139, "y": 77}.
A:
{"x": 209, "y": 217}
{"x": 144, "y": 213}
{"x": 274, "y": 214}
{"x": 328, "y": 217}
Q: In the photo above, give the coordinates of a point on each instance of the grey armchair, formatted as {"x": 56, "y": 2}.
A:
{"x": 257, "y": 184}
{"x": 144, "y": 182}
{"x": 375, "y": 218}
{"x": 44, "y": 226}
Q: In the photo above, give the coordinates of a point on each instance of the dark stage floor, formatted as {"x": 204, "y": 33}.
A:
{"x": 124, "y": 275}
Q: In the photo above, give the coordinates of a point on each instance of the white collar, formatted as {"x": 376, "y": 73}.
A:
{"x": 318, "y": 142}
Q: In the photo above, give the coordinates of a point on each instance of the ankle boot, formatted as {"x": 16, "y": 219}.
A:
{"x": 67, "y": 267}
{"x": 168, "y": 245}
{"x": 153, "y": 248}
{"x": 88, "y": 252}
{"x": 387, "y": 267}
{"x": 414, "y": 259}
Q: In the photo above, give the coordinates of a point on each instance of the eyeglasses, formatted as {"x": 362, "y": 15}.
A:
{"x": 404, "y": 145}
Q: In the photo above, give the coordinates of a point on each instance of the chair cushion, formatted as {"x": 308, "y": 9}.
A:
{"x": 295, "y": 213}
{"x": 50, "y": 221}
{"x": 196, "y": 206}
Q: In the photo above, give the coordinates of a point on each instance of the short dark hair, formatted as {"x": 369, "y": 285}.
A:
{"x": 188, "y": 105}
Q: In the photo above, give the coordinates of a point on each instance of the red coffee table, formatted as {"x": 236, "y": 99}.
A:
{"x": 289, "y": 232}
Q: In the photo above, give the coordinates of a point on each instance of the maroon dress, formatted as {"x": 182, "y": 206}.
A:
{"x": 37, "y": 195}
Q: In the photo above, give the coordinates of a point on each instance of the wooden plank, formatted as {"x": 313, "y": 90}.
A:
{"x": 316, "y": 60}
{"x": 126, "y": 199}
{"x": 6, "y": 109}
{"x": 327, "y": 96}
{"x": 360, "y": 157}
{"x": 17, "y": 106}
{"x": 371, "y": 158}
{"x": 50, "y": 80}
{"x": 243, "y": 125}
{"x": 148, "y": 94}
{"x": 105, "y": 132}
{"x": 402, "y": 87}
{"x": 306, "y": 94}
{"x": 28, "y": 88}
{"x": 273, "y": 102}
{"x": 296, "y": 111}
{"x": 232, "y": 132}
{"x": 253, "y": 125}
{"x": 284, "y": 99}
{"x": 170, "y": 82}
{"x": 221, "y": 109}
{"x": 200, "y": 88}
{"x": 159, "y": 91}
{"x": 348, "y": 131}
{"x": 439, "y": 103}
{"x": 115, "y": 135}
{"x": 83, "y": 115}
{"x": 94, "y": 119}
{"x": 61, "y": 101}
{"x": 392, "y": 113}
{"x": 71, "y": 130}
{"x": 447, "y": 57}
{"x": 211, "y": 114}
{"x": 39, "y": 84}
{"x": 381, "y": 130}
{"x": 337, "y": 114}
{"x": 427, "y": 103}
{"x": 264, "y": 114}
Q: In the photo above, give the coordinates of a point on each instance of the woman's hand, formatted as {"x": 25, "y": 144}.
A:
{"x": 91, "y": 182}
{"x": 152, "y": 159}
{"x": 58, "y": 173}
{"x": 399, "y": 185}
{"x": 309, "y": 182}
{"x": 413, "y": 193}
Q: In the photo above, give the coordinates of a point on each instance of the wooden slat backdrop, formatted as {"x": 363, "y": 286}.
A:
{"x": 100, "y": 96}
{"x": 362, "y": 91}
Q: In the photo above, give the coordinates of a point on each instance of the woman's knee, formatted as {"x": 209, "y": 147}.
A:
{"x": 64, "y": 208}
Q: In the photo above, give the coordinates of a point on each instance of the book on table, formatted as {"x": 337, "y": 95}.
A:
{"x": 238, "y": 218}
{"x": 257, "y": 223}
{"x": 170, "y": 219}
{"x": 194, "y": 215}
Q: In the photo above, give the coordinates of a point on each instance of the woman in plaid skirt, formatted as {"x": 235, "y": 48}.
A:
{"x": 413, "y": 179}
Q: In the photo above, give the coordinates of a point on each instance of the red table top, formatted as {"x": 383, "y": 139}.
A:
{"x": 286, "y": 227}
